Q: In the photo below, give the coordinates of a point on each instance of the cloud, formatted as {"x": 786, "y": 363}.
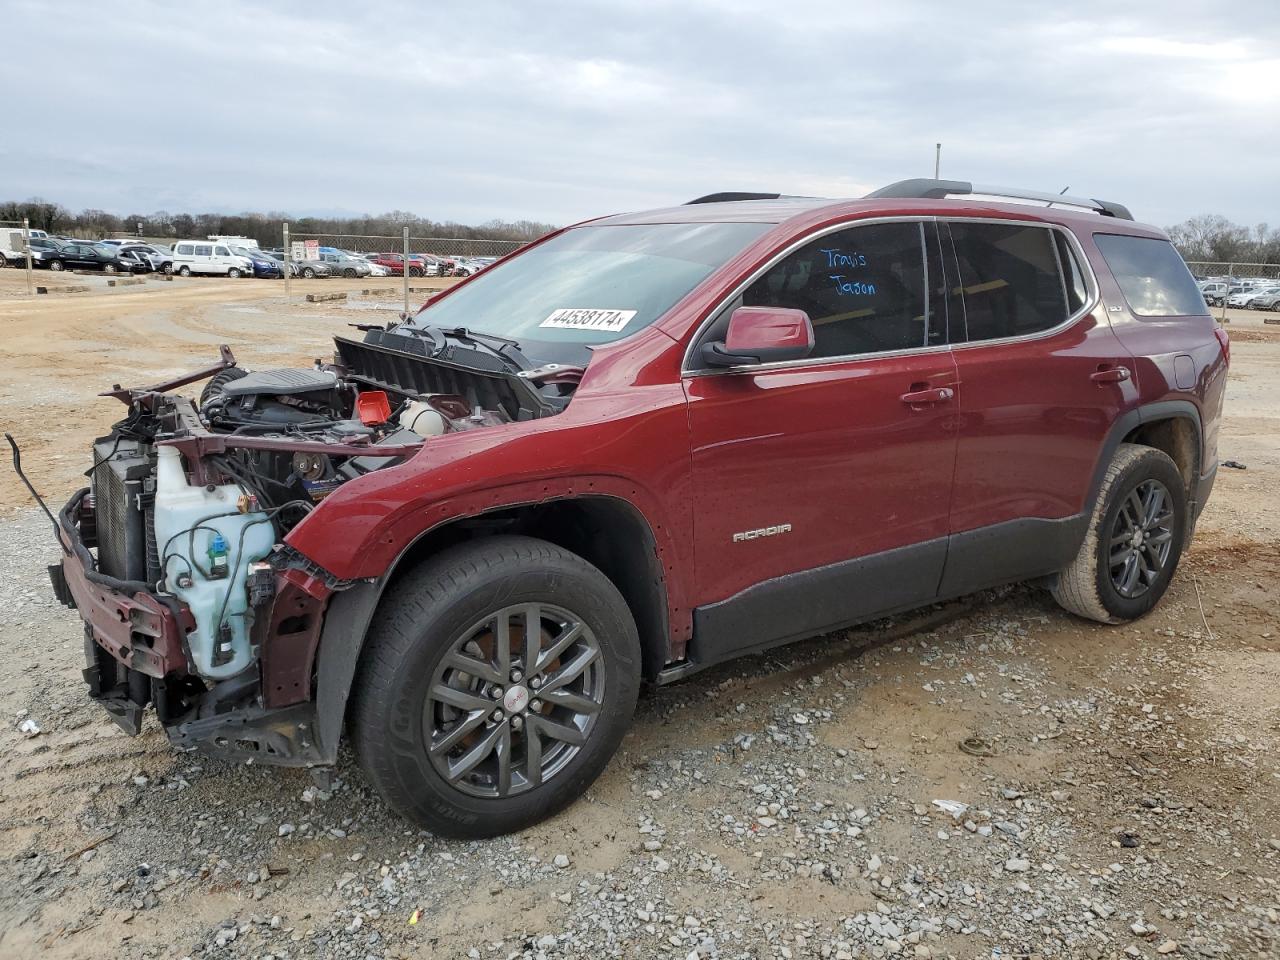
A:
{"x": 567, "y": 110}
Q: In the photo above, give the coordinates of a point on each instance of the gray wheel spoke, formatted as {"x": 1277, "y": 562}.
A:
{"x": 502, "y": 647}
{"x": 462, "y": 699}
{"x": 1154, "y": 502}
{"x": 570, "y": 671}
{"x": 476, "y": 668}
{"x": 570, "y": 700}
{"x": 532, "y": 638}
{"x": 533, "y": 754}
{"x": 458, "y": 732}
{"x": 503, "y": 749}
{"x": 1162, "y": 536}
{"x": 559, "y": 646}
{"x": 1129, "y": 576}
{"x": 560, "y": 731}
{"x": 469, "y": 760}
{"x": 1134, "y": 508}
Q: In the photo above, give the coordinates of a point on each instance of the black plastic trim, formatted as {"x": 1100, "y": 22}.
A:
{"x": 1010, "y": 551}
{"x": 345, "y": 624}
{"x": 815, "y": 601}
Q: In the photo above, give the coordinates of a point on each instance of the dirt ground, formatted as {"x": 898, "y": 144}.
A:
{"x": 1125, "y": 800}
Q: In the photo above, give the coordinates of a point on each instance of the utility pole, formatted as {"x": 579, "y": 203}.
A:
{"x": 26, "y": 250}
{"x": 288, "y": 261}
{"x": 937, "y": 161}
{"x": 406, "y": 272}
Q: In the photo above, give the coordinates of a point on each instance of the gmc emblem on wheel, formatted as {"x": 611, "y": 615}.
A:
{"x": 761, "y": 532}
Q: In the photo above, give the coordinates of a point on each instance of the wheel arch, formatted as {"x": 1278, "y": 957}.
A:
{"x": 607, "y": 531}
{"x": 1171, "y": 426}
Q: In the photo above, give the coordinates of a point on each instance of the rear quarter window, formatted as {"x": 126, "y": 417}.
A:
{"x": 1152, "y": 276}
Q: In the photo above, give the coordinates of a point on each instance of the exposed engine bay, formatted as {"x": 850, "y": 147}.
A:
{"x": 190, "y": 500}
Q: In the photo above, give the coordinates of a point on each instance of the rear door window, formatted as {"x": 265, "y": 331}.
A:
{"x": 1012, "y": 279}
{"x": 204, "y": 250}
{"x": 1152, "y": 276}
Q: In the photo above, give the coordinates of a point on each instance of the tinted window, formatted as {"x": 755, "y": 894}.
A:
{"x": 1152, "y": 276}
{"x": 864, "y": 289}
{"x": 1010, "y": 280}
{"x": 204, "y": 250}
{"x": 184, "y": 249}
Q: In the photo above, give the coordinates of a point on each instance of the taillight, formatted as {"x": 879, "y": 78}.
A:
{"x": 1223, "y": 338}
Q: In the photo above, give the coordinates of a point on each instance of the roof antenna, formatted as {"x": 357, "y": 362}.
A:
{"x": 1061, "y": 193}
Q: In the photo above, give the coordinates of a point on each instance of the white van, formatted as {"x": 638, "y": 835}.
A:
{"x": 197, "y": 256}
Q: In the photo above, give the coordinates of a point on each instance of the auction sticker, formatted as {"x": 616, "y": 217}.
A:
{"x": 584, "y": 318}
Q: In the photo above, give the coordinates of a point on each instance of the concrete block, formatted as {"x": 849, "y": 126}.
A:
{"x": 321, "y": 297}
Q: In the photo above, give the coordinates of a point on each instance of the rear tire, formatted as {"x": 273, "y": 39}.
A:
{"x": 184, "y": 271}
{"x": 433, "y": 672}
{"x": 1135, "y": 538}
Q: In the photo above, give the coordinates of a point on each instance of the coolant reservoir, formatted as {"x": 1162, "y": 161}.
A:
{"x": 422, "y": 418}
{"x": 206, "y": 547}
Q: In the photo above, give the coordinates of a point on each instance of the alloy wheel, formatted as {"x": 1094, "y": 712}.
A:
{"x": 513, "y": 700}
{"x": 1141, "y": 539}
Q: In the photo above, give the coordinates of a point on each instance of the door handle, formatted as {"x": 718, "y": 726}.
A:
{"x": 937, "y": 395}
{"x": 1110, "y": 375}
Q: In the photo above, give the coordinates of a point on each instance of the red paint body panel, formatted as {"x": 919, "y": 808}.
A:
{"x": 832, "y": 450}
{"x": 1033, "y": 423}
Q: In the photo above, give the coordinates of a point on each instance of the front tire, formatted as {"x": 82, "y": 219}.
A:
{"x": 309, "y": 274}
{"x": 233, "y": 273}
{"x": 1135, "y": 539}
{"x": 56, "y": 265}
{"x": 463, "y": 725}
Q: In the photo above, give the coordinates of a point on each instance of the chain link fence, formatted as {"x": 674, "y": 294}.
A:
{"x": 436, "y": 246}
{"x": 1247, "y": 271}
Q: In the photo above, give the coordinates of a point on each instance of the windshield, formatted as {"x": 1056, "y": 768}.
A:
{"x": 590, "y": 285}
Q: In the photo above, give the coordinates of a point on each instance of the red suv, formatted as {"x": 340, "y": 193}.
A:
{"x": 638, "y": 447}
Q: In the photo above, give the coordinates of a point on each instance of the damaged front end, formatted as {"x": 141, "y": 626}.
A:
{"x": 174, "y": 555}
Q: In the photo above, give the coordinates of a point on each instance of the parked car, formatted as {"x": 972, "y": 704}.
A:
{"x": 377, "y": 269}
{"x": 1259, "y": 298}
{"x": 313, "y": 269}
{"x": 343, "y": 264}
{"x": 198, "y": 256}
{"x": 1270, "y": 300}
{"x": 1214, "y": 292}
{"x": 12, "y": 252}
{"x": 263, "y": 266}
{"x": 161, "y": 261}
{"x": 654, "y": 442}
{"x": 88, "y": 256}
{"x": 137, "y": 261}
{"x": 394, "y": 262}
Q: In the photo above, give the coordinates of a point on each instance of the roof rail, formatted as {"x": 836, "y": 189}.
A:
{"x": 923, "y": 188}
{"x": 732, "y": 196}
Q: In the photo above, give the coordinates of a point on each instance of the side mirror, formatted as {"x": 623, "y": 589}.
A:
{"x": 761, "y": 335}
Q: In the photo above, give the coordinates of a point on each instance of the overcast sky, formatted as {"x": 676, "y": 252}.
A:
{"x": 561, "y": 111}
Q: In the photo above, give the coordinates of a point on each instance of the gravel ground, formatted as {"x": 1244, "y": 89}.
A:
{"x": 985, "y": 778}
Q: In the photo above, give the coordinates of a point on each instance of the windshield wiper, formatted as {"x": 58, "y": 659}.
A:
{"x": 462, "y": 333}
